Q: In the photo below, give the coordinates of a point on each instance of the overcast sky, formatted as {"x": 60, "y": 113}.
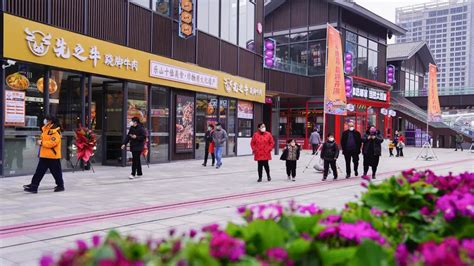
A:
{"x": 386, "y": 8}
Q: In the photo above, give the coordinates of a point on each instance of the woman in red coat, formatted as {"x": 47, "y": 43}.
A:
{"x": 262, "y": 145}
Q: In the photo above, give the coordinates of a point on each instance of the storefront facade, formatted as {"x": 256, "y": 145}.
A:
{"x": 103, "y": 85}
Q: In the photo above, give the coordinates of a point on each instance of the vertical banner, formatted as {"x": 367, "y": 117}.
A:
{"x": 187, "y": 18}
{"x": 434, "y": 110}
{"x": 334, "y": 93}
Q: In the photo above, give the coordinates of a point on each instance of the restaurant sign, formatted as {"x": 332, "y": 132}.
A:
{"x": 28, "y": 41}
{"x": 359, "y": 91}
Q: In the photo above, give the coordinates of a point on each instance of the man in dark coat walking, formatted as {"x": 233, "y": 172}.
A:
{"x": 136, "y": 137}
{"x": 372, "y": 150}
{"x": 351, "y": 141}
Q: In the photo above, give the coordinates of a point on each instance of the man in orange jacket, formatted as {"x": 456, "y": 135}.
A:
{"x": 49, "y": 156}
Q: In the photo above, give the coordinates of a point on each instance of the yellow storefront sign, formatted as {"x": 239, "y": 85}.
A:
{"x": 29, "y": 41}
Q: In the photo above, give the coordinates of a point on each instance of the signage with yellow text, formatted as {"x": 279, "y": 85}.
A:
{"x": 30, "y": 41}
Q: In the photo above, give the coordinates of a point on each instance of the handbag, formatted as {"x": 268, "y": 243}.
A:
{"x": 401, "y": 145}
{"x": 211, "y": 147}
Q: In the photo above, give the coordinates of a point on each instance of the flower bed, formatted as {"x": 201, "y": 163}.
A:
{"x": 417, "y": 218}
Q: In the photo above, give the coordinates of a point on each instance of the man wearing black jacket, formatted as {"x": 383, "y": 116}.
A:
{"x": 351, "y": 141}
{"x": 136, "y": 137}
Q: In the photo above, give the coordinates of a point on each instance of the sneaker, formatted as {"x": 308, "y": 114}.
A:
{"x": 218, "y": 166}
{"x": 59, "y": 189}
{"x": 204, "y": 165}
{"x": 356, "y": 173}
{"x": 131, "y": 177}
{"x": 31, "y": 190}
{"x": 27, "y": 186}
{"x": 269, "y": 179}
{"x": 259, "y": 180}
{"x": 373, "y": 176}
{"x": 289, "y": 178}
{"x": 335, "y": 178}
{"x": 293, "y": 179}
{"x": 324, "y": 178}
{"x": 348, "y": 176}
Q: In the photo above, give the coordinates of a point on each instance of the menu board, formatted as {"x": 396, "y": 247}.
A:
{"x": 14, "y": 108}
{"x": 245, "y": 110}
{"x": 184, "y": 123}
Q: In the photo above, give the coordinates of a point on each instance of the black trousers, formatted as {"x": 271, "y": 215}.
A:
{"x": 399, "y": 152}
{"x": 315, "y": 148}
{"x": 458, "y": 144}
{"x": 136, "y": 163}
{"x": 331, "y": 163}
{"x": 261, "y": 165}
{"x": 355, "y": 159}
{"x": 206, "y": 156}
{"x": 391, "y": 151}
{"x": 290, "y": 168}
{"x": 54, "y": 166}
{"x": 371, "y": 161}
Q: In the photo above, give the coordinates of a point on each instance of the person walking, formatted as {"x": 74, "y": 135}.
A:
{"x": 399, "y": 142}
{"x": 330, "y": 153}
{"x": 262, "y": 145}
{"x": 136, "y": 137}
{"x": 459, "y": 140}
{"x": 49, "y": 155}
{"x": 391, "y": 146}
{"x": 351, "y": 142}
{"x": 291, "y": 154}
{"x": 209, "y": 147}
{"x": 219, "y": 137}
{"x": 372, "y": 150}
{"x": 315, "y": 140}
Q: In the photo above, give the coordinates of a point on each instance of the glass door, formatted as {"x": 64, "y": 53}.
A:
{"x": 113, "y": 123}
{"x": 159, "y": 115}
{"x": 206, "y": 114}
{"x": 223, "y": 113}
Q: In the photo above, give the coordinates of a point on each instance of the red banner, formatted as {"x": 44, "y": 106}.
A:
{"x": 334, "y": 94}
{"x": 434, "y": 110}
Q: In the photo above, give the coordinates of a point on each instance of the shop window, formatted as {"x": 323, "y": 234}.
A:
{"x": 163, "y": 7}
{"x": 351, "y": 47}
{"x": 282, "y": 57}
{"x": 246, "y": 23}
{"x": 317, "y": 57}
{"x": 373, "y": 65}
{"x": 362, "y": 66}
{"x": 245, "y": 118}
{"x": 65, "y": 98}
{"x": 208, "y": 16}
{"x": 229, "y": 21}
{"x": 143, "y": 3}
{"x": 299, "y": 58}
{"x": 22, "y": 126}
{"x": 231, "y": 128}
{"x": 159, "y": 130}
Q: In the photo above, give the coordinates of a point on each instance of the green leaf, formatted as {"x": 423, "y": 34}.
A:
{"x": 197, "y": 254}
{"x": 370, "y": 253}
{"x": 298, "y": 248}
{"x": 337, "y": 256}
{"x": 379, "y": 200}
{"x": 304, "y": 224}
{"x": 265, "y": 234}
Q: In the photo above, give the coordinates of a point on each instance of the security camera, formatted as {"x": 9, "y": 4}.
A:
{"x": 9, "y": 63}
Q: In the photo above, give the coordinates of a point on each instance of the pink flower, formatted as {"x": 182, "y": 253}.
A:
{"x": 330, "y": 219}
{"x": 306, "y": 236}
{"x": 211, "y": 228}
{"x": 310, "y": 209}
{"x": 222, "y": 246}
{"x": 172, "y": 231}
{"x": 46, "y": 261}
{"x": 354, "y": 232}
{"x": 401, "y": 255}
{"x": 376, "y": 212}
{"x": 366, "y": 177}
{"x": 468, "y": 246}
{"x": 176, "y": 247}
{"x": 241, "y": 210}
{"x": 363, "y": 184}
{"x": 277, "y": 254}
{"x": 81, "y": 245}
{"x": 192, "y": 233}
{"x": 96, "y": 240}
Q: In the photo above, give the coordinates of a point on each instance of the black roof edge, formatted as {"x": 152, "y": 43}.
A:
{"x": 353, "y": 7}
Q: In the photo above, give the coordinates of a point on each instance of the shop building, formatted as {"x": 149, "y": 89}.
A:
{"x": 99, "y": 63}
{"x": 297, "y": 78}
{"x": 411, "y": 61}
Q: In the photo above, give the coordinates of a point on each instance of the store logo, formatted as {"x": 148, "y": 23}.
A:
{"x": 164, "y": 71}
{"x": 235, "y": 87}
{"x": 39, "y": 42}
{"x": 369, "y": 93}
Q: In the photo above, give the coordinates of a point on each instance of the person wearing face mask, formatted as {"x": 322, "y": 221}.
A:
{"x": 351, "y": 141}
{"x": 209, "y": 147}
{"x": 219, "y": 137}
{"x": 372, "y": 150}
{"x": 136, "y": 137}
{"x": 262, "y": 145}
{"x": 291, "y": 154}
{"x": 330, "y": 153}
{"x": 49, "y": 156}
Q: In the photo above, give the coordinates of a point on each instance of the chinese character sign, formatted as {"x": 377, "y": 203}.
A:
{"x": 186, "y": 18}
{"x": 434, "y": 110}
{"x": 335, "y": 93}
{"x": 164, "y": 71}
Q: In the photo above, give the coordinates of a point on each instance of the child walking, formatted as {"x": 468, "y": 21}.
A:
{"x": 291, "y": 154}
{"x": 391, "y": 146}
{"x": 329, "y": 153}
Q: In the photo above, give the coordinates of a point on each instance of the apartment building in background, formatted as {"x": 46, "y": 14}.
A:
{"x": 447, "y": 28}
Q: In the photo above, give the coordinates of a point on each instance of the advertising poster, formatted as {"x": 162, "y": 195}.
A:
{"x": 335, "y": 93}
{"x": 136, "y": 108}
{"x": 14, "y": 108}
{"x": 245, "y": 110}
{"x": 434, "y": 110}
{"x": 184, "y": 123}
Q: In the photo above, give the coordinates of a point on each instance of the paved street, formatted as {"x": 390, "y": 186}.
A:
{"x": 179, "y": 194}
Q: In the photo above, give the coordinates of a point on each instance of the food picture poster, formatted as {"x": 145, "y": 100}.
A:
{"x": 245, "y": 110}
{"x": 136, "y": 108}
{"x": 184, "y": 123}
